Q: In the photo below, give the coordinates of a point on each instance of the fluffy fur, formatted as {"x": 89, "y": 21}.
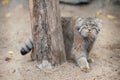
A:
{"x": 85, "y": 34}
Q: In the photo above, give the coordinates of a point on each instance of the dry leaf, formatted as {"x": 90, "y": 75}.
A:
{"x": 111, "y": 16}
{"x": 5, "y": 2}
{"x": 7, "y": 59}
{"x": 100, "y": 12}
{"x": 10, "y": 52}
{"x": 8, "y": 15}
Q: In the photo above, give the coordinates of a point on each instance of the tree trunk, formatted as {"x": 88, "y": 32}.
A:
{"x": 47, "y": 31}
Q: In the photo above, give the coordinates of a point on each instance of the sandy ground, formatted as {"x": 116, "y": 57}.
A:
{"x": 15, "y": 28}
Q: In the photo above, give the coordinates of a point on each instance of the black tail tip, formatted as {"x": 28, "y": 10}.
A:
{"x": 23, "y": 52}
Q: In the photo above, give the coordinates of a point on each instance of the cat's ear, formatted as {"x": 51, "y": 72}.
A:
{"x": 99, "y": 22}
{"x": 78, "y": 23}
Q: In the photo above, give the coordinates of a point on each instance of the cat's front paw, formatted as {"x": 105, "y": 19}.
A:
{"x": 83, "y": 63}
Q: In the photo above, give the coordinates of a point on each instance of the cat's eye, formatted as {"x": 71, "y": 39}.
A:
{"x": 93, "y": 26}
{"x": 96, "y": 28}
{"x": 85, "y": 26}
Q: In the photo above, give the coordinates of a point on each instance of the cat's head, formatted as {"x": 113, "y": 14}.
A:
{"x": 88, "y": 27}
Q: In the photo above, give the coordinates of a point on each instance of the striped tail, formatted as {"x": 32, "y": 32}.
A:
{"x": 28, "y": 46}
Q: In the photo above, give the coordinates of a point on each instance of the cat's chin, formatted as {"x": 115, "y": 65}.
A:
{"x": 87, "y": 36}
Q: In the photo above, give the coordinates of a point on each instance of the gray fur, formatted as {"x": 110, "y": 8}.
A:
{"x": 88, "y": 29}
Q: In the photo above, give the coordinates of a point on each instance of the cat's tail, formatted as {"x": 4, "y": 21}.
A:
{"x": 27, "y": 47}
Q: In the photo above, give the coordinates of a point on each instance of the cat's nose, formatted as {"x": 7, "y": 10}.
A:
{"x": 89, "y": 29}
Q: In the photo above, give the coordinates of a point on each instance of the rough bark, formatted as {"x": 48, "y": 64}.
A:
{"x": 47, "y": 31}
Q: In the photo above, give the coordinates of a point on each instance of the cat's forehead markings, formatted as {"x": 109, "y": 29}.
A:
{"x": 89, "y": 21}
